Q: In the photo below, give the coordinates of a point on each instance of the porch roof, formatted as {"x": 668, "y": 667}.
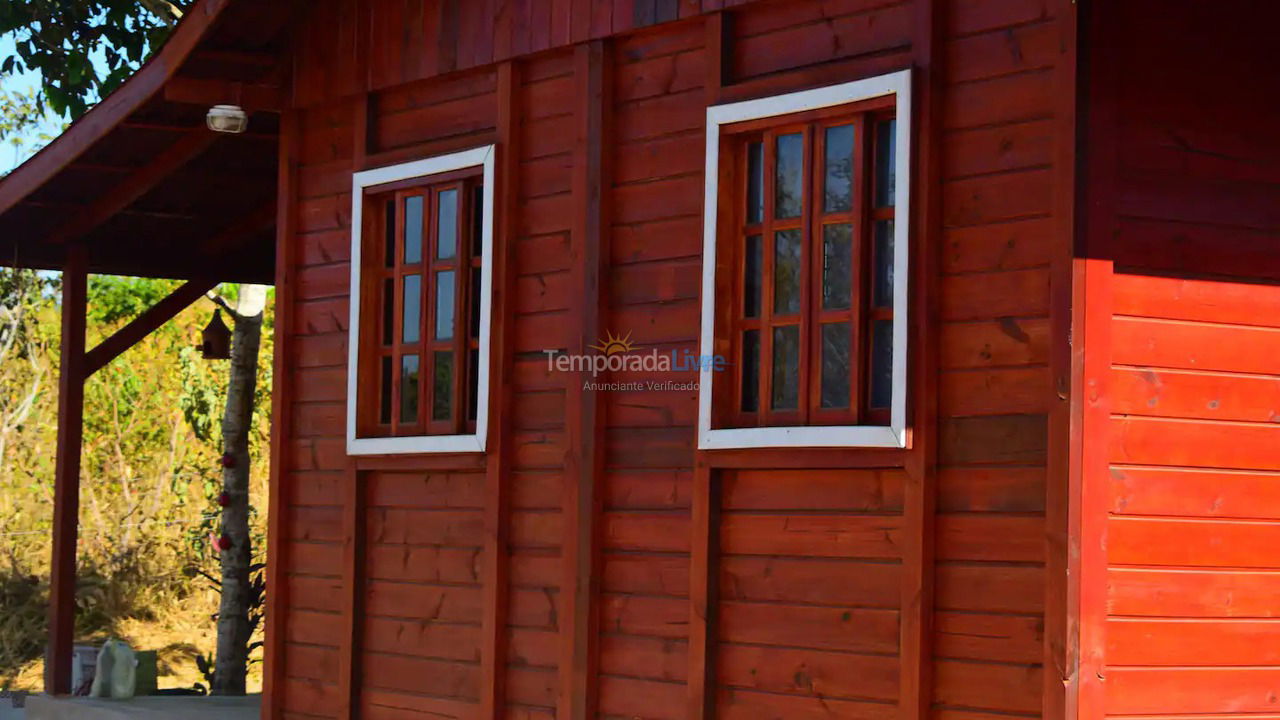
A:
{"x": 143, "y": 183}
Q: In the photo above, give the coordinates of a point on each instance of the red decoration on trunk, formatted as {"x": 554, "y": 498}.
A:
{"x": 224, "y": 543}
{"x": 228, "y": 460}
{"x": 224, "y": 499}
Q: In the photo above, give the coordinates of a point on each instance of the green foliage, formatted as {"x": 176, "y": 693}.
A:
{"x": 150, "y": 467}
{"x": 83, "y": 49}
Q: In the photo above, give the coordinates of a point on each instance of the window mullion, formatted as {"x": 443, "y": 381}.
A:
{"x": 765, "y": 407}
{"x": 859, "y": 326}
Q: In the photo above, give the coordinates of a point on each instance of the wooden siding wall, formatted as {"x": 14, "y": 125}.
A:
{"x": 816, "y": 570}
{"x": 1186, "y": 226}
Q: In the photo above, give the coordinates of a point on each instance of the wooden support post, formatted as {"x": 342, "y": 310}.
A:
{"x": 281, "y": 424}
{"x": 493, "y": 635}
{"x": 584, "y": 420}
{"x": 703, "y": 564}
{"x": 146, "y": 323}
{"x": 66, "y": 490}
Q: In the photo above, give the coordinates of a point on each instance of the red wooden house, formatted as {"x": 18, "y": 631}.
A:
{"x": 681, "y": 359}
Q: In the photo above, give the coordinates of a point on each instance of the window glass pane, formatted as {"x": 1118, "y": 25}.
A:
{"x": 473, "y": 385}
{"x": 475, "y": 302}
{"x": 477, "y": 221}
{"x": 882, "y": 364}
{"x": 886, "y": 172}
{"x": 789, "y": 176}
{"x": 835, "y": 365}
{"x": 409, "y": 389}
{"x": 838, "y": 195}
{"x": 444, "y": 305}
{"x": 389, "y": 233}
{"x": 413, "y": 230}
{"x": 384, "y": 404}
{"x": 412, "y": 315}
{"x": 837, "y": 266}
{"x": 882, "y": 295}
{"x": 442, "y": 387}
{"x": 786, "y": 272}
{"x": 786, "y": 368}
{"x": 751, "y": 371}
{"x": 753, "y": 279}
{"x": 388, "y": 311}
{"x": 755, "y": 182}
{"x": 447, "y": 225}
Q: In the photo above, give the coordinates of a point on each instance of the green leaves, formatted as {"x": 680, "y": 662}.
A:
{"x": 82, "y": 49}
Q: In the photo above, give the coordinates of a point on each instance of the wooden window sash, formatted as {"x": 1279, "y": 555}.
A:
{"x": 861, "y": 314}
{"x": 376, "y": 273}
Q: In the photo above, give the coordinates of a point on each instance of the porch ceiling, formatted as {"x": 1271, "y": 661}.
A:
{"x": 140, "y": 179}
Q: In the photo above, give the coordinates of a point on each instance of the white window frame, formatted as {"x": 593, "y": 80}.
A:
{"x": 894, "y": 435}
{"x": 361, "y": 181}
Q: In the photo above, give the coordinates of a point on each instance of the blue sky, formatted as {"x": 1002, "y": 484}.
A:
{"x": 25, "y": 82}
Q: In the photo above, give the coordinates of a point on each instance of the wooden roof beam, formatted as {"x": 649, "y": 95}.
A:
{"x": 255, "y": 222}
{"x": 139, "y": 182}
{"x": 145, "y": 324}
{"x": 209, "y": 92}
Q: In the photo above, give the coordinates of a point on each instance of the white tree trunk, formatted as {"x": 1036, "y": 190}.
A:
{"x": 233, "y": 614}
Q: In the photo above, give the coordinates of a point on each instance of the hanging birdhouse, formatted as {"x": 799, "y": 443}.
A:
{"x": 216, "y": 339}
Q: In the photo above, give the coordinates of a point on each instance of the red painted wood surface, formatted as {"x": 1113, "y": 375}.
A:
{"x": 1190, "y": 510}
{"x": 812, "y": 569}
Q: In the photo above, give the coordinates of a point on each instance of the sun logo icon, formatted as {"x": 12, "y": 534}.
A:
{"x": 614, "y": 344}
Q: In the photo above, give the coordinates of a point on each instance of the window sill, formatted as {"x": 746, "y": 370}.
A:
{"x": 418, "y": 445}
{"x": 863, "y": 436}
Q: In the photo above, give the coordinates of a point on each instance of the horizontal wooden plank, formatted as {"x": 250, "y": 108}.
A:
{"x": 439, "y": 640}
{"x": 977, "y": 16}
{"x": 1015, "y": 688}
{"x": 1197, "y": 249}
{"x": 1194, "y": 394}
{"x": 377, "y": 704}
{"x": 1199, "y": 299}
{"x": 989, "y": 637}
{"x": 856, "y": 630}
{"x": 995, "y": 343}
{"x": 1194, "y": 493}
{"x": 995, "y": 440}
{"x": 1018, "y": 49}
{"x": 1159, "y": 691}
{"x": 456, "y": 528}
{"x": 810, "y": 581}
{"x": 810, "y": 673}
{"x": 408, "y": 563}
{"x": 1017, "y": 98}
{"x": 650, "y": 616}
{"x": 998, "y": 391}
{"x": 812, "y": 535}
{"x": 649, "y": 658}
{"x": 991, "y": 489}
{"x": 1150, "y": 441}
{"x": 1014, "y": 245}
{"x": 1147, "y": 642}
{"x": 743, "y": 704}
{"x": 632, "y": 697}
{"x": 997, "y": 198}
{"x": 425, "y": 490}
{"x": 645, "y": 531}
{"x": 1194, "y": 346}
{"x": 423, "y": 602}
{"x": 990, "y": 587}
{"x": 833, "y": 38}
{"x": 1192, "y": 542}
{"x": 1145, "y": 592}
{"x": 827, "y": 490}
{"x": 995, "y": 295}
{"x": 420, "y": 675}
{"x": 991, "y": 537}
{"x": 659, "y": 489}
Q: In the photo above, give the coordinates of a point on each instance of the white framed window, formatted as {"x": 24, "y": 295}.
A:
{"x": 806, "y": 218}
{"x": 421, "y": 306}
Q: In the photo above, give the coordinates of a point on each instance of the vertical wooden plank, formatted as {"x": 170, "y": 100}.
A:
{"x": 1061, "y": 651}
{"x": 281, "y": 427}
{"x": 353, "y": 537}
{"x": 719, "y": 39}
{"x": 561, "y": 22}
{"x": 1089, "y": 464}
{"x": 446, "y": 37}
{"x": 704, "y": 520}
{"x": 66, "y": 488}
{"x": 919, "y": 500}
{"x": 495, "y": 583}
{"x": 584, "y": 417}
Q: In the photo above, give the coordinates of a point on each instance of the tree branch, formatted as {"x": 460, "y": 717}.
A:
{"x": 166, "y": 11}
